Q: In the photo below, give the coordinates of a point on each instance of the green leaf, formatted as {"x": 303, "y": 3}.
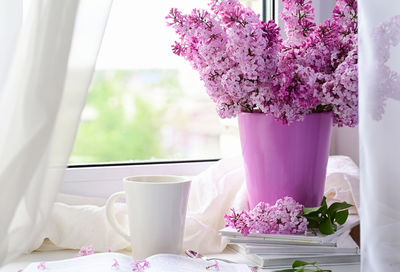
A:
{"x": 313, "y": 225}
{"x": 300, "y": 266}
{"x": 324, "y": 206}
{"x": 307, "y": 211}
{"x": 337, "y": 206}
{"x": 325, "y": 218}
{"x": 341, "y": 217}
{"x": 326, "y": 226}
{"x": 312, "y": 216}
{"x": 323, "y": 202}
{"x": 313, "y": 219}
{"x": 300, "y": 263}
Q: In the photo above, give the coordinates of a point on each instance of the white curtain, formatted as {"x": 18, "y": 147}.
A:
{"x": 379, "y": 68}
{"x": 10, "y": 23}
{"x": 44, "y": 91}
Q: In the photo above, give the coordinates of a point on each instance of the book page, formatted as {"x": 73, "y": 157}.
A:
{"x": 111, "y": 262}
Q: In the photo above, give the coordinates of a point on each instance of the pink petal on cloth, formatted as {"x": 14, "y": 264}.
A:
{"x": 140, "y": 265}
{"x": 41, "y": 266}
{"x": 84, "y": 251}
{"x": 115, "y": 265}
{"x": 343, "y": 182}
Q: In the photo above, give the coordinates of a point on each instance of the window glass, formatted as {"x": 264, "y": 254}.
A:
{"x": 145, "y": 103}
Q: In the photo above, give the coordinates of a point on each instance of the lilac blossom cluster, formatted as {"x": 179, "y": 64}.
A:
{"x": 246, "y": 66}
{"x": 282, "y": 218}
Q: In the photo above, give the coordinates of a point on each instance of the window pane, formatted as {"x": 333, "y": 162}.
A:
{"x": 146, "y": 103}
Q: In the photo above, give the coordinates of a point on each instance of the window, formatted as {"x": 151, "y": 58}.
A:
{"x": 145, "y": 103}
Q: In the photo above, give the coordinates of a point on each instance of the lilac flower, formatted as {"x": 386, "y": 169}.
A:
{"x": 245, "y": 65}
{"x": 298, "y": 16}
{"x": 284, "y": 218}
{"x": 345, "y": 15}
{"x": 239, "y": 221}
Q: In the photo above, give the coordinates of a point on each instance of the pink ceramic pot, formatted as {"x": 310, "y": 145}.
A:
{"x": 285, "y": 160}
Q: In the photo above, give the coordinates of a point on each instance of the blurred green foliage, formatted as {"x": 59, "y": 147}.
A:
{"x": 124, "y": 124}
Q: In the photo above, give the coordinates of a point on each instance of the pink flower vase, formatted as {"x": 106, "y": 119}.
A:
{"x": 285, "y": 160}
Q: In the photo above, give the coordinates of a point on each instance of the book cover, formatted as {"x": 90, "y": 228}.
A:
{"x": 275, "y": 260}
{"x": 309, "y": 238}
{"x": 250, "y": 248}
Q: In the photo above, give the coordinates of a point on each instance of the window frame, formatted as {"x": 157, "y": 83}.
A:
{"x": 269, "y": 10}
{"x": 102, "y": 179}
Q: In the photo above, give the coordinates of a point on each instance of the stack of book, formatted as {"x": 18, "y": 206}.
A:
{"x": 280, "y": 250}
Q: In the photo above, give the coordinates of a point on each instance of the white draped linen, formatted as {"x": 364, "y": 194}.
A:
{"x": 379, "y": 68}
{"x": 41, "y": 99}
{"x": 80, "y": 221}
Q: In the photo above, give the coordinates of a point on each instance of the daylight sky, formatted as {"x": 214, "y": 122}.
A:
{"x": 137, "y": 36}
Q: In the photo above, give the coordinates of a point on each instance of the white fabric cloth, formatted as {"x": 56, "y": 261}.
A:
{"x": 103, "y": 262}
{"x": 379, "y": 89}
{"x": 40, "y": 105}
{"x": 213, "y": 193}
{"x": 343, "y": 182}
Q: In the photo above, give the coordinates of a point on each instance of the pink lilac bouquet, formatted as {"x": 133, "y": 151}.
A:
{"x": 246, "y": 66}
{"x": 282, "y": 218}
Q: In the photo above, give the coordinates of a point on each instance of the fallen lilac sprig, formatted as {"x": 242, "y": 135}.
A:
{"x": 289, "y": 217}
{"x": 282, "y": 218}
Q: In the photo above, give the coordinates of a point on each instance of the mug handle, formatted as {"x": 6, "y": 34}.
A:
{"x": 111, "y": 215}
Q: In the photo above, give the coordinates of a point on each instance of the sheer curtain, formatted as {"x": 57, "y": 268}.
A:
{"x": 379, "y": 69}
{"x": 10, "y": 23}
{"x": 43, "y": 94}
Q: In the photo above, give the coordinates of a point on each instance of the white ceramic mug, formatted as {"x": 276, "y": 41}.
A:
{"x": 156, "y": 208}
